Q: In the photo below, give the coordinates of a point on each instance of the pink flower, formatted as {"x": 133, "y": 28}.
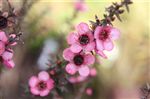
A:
{"x": 80, "y": 5}
{"x": 78, "y": 62}
{"x": 82, "y": 40}
{"x": 41, "y": 85}
{"x": 104, "y": 36}
{"x": 5, "y": 53}
{"x": 89, "y": 91}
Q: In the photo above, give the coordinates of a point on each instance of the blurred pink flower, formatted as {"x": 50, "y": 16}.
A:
{"x": 82, "y": 40}
{"x": 5, "y": 53}
{"x": 41, "y": 85}
{"x": 104, "y": 36}
{"x": 89, "y": 91}
{"x": 78, "y": 62}
{"x": 80, "y": 5}
{"x": 93, "y": 72}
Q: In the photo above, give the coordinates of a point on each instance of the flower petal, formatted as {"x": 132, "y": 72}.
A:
{"x": 114, "y": 33}
{"x": 99, "y": 45}
{"x": 34, "y": 91}
{"x": 50, "y": 83}
{"x": 44, "y": 92}
{"x": 84, "y": 71}
{"x": 2, "y": 47}
{"x": 82, "y": 28}
{"x": 33, "y": 81}
{"x": 101, "y": 53}
{"x": 89, "y": 59}
{"x": 97, "y": 32}
{"x": 108, "y": 45}
{"x": 3, "y": 36}
{"x": 9, "y": 63}
{"x": 89, "y": 47}
{"x": 76, "y": 48}
{"x": 7, "y": 55}
{"x": 71, "y": 68}
{"x": 68, "y": 54}
{"x": 43, "y": 75}
{"x": 72, "y": 38}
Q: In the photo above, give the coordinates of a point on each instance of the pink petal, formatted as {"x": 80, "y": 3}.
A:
{"x": 97, "y": 32}
{"x": 89, "y": 59}
{"x": 89, "y": 47}
{"x": 3, "y": 36}
{"x": 43, "y": 75}
{"x": 99, "y": 44}
{"x": 5, "y": 14}
{"x": 82, "y": 28}
{"x": 9, "y": 64}
{"x": 84, "y": 71}
{"x": 44, "y": 92}
{"x": 2, "y": 47}
{"x": 101, "y": 53}
{"x": 50, "y": 83}
{"x": 90, "y": 35}
{"x": 72, "y": 38}
{"x": 68, "y": 54}
{"x": 33, "y": 81}
{"x": 81, "y": 78}
{"x": 76, "y": 48}
{"x": 108, "y": 45}
{"x": 71, "y": 68}
{"x": 7, "y": 55}
{"x": 114, "y": 33}
{"x": 34, "y": 91}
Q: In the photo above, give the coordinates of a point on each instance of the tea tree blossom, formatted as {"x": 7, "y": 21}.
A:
{"x": 78, "y": 62}
{"x": 82, "y": 40}
{"x": 104, "y": 36}
{"x": 41, "y": 85}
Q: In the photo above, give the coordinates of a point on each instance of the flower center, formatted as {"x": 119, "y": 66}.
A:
{"x": 42, "y": 85}
{"x": 3, "y": 22}
{"x": 84, "y": 39}
{"x": 103, "y": 35}
{"x": 78, "y": 59}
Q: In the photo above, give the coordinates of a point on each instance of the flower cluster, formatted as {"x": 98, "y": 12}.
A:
{"x": 6, "y": 53}
{"x": 83, "y": 43}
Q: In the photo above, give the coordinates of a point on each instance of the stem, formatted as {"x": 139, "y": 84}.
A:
{"x": 81, "y": 91}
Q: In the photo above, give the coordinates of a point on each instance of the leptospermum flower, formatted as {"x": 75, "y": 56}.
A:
{"x": 6, "y": 53}
{"x": 104, "y": 36}
{"x": 82, "y": 40}
{"x": 80, "y": 5}
{"x": 78, "y": 62}
{"x": 41, "y": 85}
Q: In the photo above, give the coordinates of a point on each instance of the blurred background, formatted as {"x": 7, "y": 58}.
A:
{"x": 45, "y": 26}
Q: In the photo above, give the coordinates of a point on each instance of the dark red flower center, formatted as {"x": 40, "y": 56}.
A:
{"x": 103, "y": 35}
{"x": 78, "y": 60}
{"x": 3, "y": 22}
{"x": 42, "y": 85}
{"x": 84, "y": 39}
